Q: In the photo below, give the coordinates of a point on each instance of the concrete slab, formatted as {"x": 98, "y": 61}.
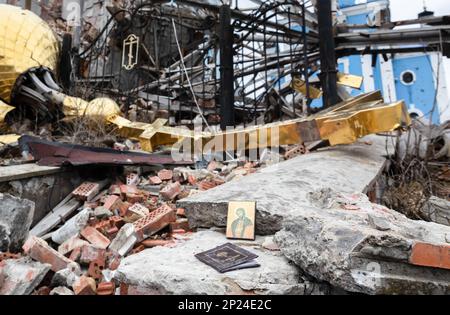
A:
{"x": 280, "y": 190}
{"x": 23, "y": 171}
{"x": 165, "y": 270}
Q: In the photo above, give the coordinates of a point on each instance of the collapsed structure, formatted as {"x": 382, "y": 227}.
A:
{"x": 144, "y": 79}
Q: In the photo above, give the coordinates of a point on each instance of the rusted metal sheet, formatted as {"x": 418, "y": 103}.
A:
{"x": 49, "y": 153}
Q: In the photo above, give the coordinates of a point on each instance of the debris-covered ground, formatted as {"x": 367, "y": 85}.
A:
{"x": 350, "y": 198}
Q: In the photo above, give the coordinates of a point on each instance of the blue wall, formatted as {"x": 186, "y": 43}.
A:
{"x": 421, "y": 93}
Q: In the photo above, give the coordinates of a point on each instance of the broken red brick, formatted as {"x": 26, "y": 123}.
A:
{"x": 128, "y": 189}
{"x": 150, "y": 243}
{"x": 136, "y": 212}
{"x": 85, "y": 286}
{"x": 180, "y": 224}
{"x": 165, "y": 175}
{"x": 86, "y": 191}
{"x": 123, "y": 289}
{"x": 8, "y": 255}
{"x": 181, "y": 212}
{"x": 154, "y": 222}
{"x": 42, "y": 291}
{"x": 95, "y": 237}
{"x": 179, "y": 231}
{"x": 96, "y": 267}
{"x": 192, "y": 180}
{"x": 106, "y": 288}
{"x": 207, "y": 184}
{"x": 429, "y": 255}
{"x": 39, "y": 250}
{"x": 112, "y": 202}
{"x": 155, "y": 180}
{"x": 114, "y": 190}
{"x": 134, "y": 198}
{"x": 138, "y": 249}
{"x": 171, "y": 191}
{"x": 117, "y": 221}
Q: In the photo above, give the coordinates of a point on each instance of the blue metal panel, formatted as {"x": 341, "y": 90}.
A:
{"x": 420, "y": 94}
{"x": 351, "y": 3}
{"x": 358, "y": 18}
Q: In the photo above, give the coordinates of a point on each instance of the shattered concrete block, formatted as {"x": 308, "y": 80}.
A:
{"x": 430, "y": 255}
{"x": 85, "y": 286}
{"x": 171, "y": 191}
{"x": 39, "y": 250}
{"x": 72, "y": 243}
{"x": 61, "y": 291}
{"x": 166, "y": 270}
{"x": 16, "y": 216}
{"x": 125, "y": 240}
{"x": 72, "y": 227}
{"x": 344, "y": 249}
{"x": 437, "y": 210}
{"x": 102, "y": 212}
{"x": 154, "y": 222}
{"x": 65, "y": 277}
{"x": 21, "y": 276}
{"x": 95, "y": 237}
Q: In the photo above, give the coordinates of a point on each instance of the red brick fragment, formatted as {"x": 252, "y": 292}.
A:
{"x": 39, "y": 250}
{"x": 85, "y": 286}
{"x": 154, "y": 222}
{"x": 171, "y": 191}
{"x": 181, "y": 212}
{"x": 429, "y": 255}
{"x": 180, "y": 224}
{"x": 95, "y": 237}
{"x": 155, "y": 180}
{"x": 106, "y": 288}
{"x": 165, "y": 175}
{"x": 150, "y": 243}
{"x": 86, "y": 191}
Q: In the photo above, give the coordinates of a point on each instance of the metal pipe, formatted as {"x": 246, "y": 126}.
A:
{"x": 328, "y": 75}
{"x": 226, "y": 68}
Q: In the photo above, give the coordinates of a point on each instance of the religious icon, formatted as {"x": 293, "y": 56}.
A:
{"x": 241, "y": 220}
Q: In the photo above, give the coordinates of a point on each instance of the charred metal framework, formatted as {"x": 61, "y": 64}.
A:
{"x": 183, "y": 71}
{"x": 224, "y": 64}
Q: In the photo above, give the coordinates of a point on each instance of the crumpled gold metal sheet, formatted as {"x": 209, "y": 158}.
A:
{"x": 342, "y": 124}
{"x": 26, "y": 42}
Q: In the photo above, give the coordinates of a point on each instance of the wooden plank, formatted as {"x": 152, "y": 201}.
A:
{"x": 23, "y": 171}
{"x": 55, "y": 217}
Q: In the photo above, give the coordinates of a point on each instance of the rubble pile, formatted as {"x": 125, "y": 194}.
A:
{"x": 107, "y": 223}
